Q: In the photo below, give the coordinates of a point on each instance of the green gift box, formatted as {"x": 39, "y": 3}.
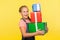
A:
{"x": 40, "y": 26}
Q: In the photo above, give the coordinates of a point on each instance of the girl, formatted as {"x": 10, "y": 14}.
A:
{"x": 23, "y": 25}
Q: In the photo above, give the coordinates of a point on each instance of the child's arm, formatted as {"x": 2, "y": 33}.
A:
{"x": 23, "y": 30}
{"x": 22, "y": 26}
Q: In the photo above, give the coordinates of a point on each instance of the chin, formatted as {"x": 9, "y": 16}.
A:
{"x": 26, "y": 17}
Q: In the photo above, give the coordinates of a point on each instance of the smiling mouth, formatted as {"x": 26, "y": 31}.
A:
{"x": 26, "y": 15}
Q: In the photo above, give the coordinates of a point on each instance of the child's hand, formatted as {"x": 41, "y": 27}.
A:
{"x": 40, "y": 32}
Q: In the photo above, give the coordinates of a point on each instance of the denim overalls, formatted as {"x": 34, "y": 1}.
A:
{"x": 27, "y": 38}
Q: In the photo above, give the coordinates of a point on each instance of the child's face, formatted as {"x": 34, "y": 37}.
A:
{"x": 24, "y": 12}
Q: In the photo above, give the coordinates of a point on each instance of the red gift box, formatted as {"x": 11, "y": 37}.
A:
{"x": 38, "y": 16}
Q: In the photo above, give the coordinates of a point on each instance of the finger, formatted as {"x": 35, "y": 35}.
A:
{"x": 39, "y": 29}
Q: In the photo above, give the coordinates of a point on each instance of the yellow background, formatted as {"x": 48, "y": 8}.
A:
{"x": 9, "y": 18}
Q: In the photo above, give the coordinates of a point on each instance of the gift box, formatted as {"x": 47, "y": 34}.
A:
{"x": 40, "y": 26}
{"x": 37, "y": 17}
{"x": 36, "y": 20}
{"x": 36, "y": 7}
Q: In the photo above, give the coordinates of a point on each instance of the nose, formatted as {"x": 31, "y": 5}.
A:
{"x": 26, "y": 12}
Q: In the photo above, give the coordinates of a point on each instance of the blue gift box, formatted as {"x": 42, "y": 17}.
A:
{"x": 36, "y": 7}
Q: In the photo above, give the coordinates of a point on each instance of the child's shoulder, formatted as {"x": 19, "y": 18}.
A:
{"x": 22, "y": 23}
{"x": 21, "y": 20}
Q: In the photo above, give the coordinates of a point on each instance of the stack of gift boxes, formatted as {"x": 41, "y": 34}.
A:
{"x": 36, "y": 20}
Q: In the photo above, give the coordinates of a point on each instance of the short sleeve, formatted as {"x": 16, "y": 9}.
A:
{"x": 22, "y": 23}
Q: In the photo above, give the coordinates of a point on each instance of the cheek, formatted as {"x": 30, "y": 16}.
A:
{"x": 25, "y": 13}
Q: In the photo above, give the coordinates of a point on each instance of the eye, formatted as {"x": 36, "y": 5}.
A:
{"x": 27, "y": 11}
{"x": 24, "y": 11}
